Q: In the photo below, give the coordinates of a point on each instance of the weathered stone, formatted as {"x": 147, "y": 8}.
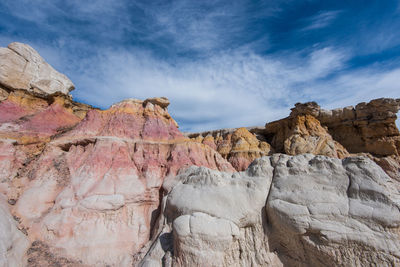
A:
{"x": 3, "y": 94}
{"x": 117, "y": 187}
{"x": 309, "y": 108}
{"x": 318, "y": 211}
{"x": 301, "y": 134}
{"x": 97, "y": 186}
{"x": 390, "y": 164}
{"x": 216, "y": 218}
{"x": 369, "y": 127}
{"x": 21, "y": 67}
{"x": 13, "y": 243}
{"x": 239, "y": 146}
{"x": 336, "y": 212}
{"x": 160, "y": 101}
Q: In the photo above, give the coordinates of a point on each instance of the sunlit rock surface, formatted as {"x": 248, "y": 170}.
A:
{"x": 284, "y": 210}
{"x": 239, "y": 146}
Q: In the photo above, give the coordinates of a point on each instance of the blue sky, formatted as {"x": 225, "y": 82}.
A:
{"x": 221, "y": 63}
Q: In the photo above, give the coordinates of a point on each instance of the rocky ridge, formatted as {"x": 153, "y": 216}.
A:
{"x": 239, "y": 146}
{"x": 80, "y": 186}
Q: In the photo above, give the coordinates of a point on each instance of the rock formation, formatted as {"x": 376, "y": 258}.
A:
{"x": 300, "y": 134}
{"x": 367, "y": 127}
{"x": 80, "y": 186}
{"x": 283, "y": 210}
{"x": 239, "y": 146}
{"x": 97, "y": 185}
{"x": 21, "y": 67}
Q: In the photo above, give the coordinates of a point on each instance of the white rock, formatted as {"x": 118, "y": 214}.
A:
{"x": 217, "y": 217}
{"x": 345, "y": 212}
{"x": 21, "y": 67}
{"x": 103, "y": 202}
{"x": 13, "y": 243}
{"x": 238, "y": 197}
{"x": 319, "y": 211}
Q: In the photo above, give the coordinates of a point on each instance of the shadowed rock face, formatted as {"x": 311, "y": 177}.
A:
{"x": 81, "y": 186}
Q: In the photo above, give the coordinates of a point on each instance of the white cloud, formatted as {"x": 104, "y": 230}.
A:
{"x": 200, "y": 25}
{"x": 225, "y": 90}
{"x": 321, "y": 20}
{"x": 231, "y": 89}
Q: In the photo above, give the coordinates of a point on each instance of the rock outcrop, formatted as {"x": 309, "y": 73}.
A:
{"x": 367, "y": 127}
{"x": 97, "y": 185}
{"x": 21, "y": 67}
{"x": 324, "y": 211}
{"x": 299, "y": 134}
{"x": 283, "y": 210}
{"x": 80, "y": 186}
{"x": 239, "y": 146}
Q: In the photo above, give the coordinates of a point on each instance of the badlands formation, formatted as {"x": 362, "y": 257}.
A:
{"x": 80, "y": 186}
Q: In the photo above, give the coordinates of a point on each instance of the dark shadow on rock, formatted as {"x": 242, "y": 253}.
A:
{"x": 166, "y": 241}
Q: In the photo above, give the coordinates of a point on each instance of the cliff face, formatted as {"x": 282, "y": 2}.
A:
{"x": 81, "y": 186}
{"x": 367, "y": 128}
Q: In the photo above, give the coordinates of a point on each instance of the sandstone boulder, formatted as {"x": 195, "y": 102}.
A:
{"x": 21, "y": 67}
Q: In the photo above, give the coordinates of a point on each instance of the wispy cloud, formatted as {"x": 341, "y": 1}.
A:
{"x": 321, "y": 20}
{"x": 227, "y": 90}
{"x": 232, "y": 89}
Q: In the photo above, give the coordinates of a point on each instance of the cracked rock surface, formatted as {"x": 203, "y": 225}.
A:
{"x": 21, "y": 67}
{"x": 285, "y": 210}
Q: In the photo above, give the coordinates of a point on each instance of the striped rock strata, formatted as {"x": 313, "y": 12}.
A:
{"x": 84, "y": 184}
